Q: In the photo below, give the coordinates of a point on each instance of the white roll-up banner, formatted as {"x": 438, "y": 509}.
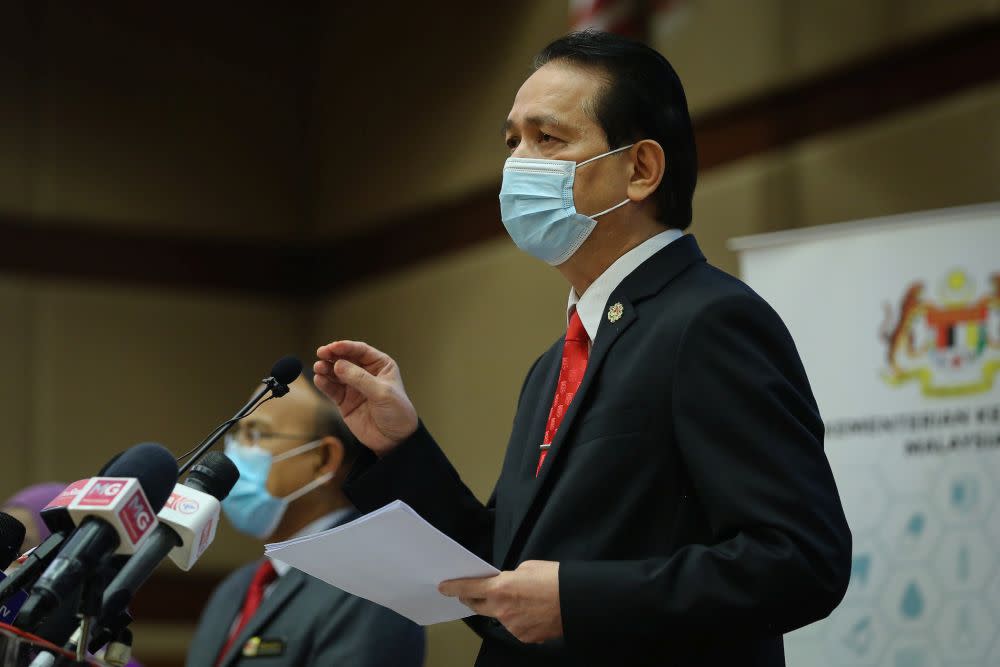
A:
{"x": 898, "y": 324}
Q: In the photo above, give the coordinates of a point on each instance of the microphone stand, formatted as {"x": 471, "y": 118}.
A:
{"x": 277, "y": 390}
{"x": 90, "y": 609}
{"x": 24, "y": 577}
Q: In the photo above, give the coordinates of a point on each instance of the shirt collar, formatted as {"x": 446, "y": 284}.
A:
{"x": 316, "y": 526}
{"x": 591, "y": 305}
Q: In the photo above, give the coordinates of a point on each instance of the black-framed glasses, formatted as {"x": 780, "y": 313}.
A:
{"x": 253, "y": 436}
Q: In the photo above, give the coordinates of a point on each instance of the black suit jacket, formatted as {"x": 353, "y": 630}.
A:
{"x": 686, "y": 494}
{"x": 312, "y": 622}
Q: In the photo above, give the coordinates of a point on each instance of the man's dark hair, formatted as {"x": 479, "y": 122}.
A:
{"x": 643, "y": 99}
{"x": 330, "y": 422}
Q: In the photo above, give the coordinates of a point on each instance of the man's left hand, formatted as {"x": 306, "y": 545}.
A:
{"x": 525, "y": 600}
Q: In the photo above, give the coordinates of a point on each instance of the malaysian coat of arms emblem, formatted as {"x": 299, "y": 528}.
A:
{"x": 950, "y": 345}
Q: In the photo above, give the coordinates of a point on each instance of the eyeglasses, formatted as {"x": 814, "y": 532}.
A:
{"x": 253, "y": 436}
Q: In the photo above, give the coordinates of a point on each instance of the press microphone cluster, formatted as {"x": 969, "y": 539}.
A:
{"x": 187, "y": 526}
{"x": 115, "y": 514}
{"x": 110, "y": 532}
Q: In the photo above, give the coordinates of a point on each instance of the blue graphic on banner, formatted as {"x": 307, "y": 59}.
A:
{"x": 963, "y": 562}
{"x": 857, "y": 638}
{"x": 912, "y": 604}
{"x": 912, "y": 652}
{"x": 925, "y": 589}
{"x": 965, "y": 495}
{"x": 965, "y": 630}
{"x": 909, "y": 531}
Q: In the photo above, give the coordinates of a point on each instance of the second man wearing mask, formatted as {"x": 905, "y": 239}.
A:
{"x": 293, "y": 455}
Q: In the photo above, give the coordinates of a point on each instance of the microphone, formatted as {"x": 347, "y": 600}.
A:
{"x": 12, "y": 537}
{"x": 194, "y": 508}
{"x": 56, "y": 515}
{"x": 187, "y": 526}
{"x": 60, "y": 523}
{"x": 115, "y": 514}
{"x": 283, "y": 372}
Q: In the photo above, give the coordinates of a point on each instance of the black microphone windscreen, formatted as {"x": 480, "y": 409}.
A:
{"x": 286, "y": 369}
{"x": 111, "y": 462}
{"x": 153, "y": 465}
{"x": 11, "y": 539}
{"x": 214, "y": 474}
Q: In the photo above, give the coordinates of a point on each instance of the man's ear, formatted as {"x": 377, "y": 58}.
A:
{"x": 649, "y": 164}
{"x": 333, "y": 456}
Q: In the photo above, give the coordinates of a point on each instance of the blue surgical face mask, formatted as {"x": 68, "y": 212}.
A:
{"x": 537, "y": 207}
{"x": 249, "y": 507}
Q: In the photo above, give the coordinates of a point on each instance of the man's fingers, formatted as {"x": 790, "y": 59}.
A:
{"x": 335, "y": 390}
{"x": 323, "y": 368}
{"x": 356, "y": 377}
{"x": 352, "y": 350}
{"x": 452, "y": 588}
{"x": 464, "y": 588}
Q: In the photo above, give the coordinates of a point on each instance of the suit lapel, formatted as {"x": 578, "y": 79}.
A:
{"x": 285, "y": 587}
{"x": 219, "y": 619}
{"x": 533, "y": 486}
{"x": 536, "y": 425}
{"x": 517, "y": 481}
{"x": 648, "y": 279}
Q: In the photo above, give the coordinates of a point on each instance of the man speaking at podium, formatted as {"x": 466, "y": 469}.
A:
{"x": 664, "y": 498}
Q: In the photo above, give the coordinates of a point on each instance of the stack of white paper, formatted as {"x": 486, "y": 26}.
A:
{"x": 393, "y": 557}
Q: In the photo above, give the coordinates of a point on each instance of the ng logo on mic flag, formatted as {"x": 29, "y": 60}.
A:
{"x": 122, "y": 503}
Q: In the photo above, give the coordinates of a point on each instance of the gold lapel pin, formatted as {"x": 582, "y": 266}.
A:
{"x": 615, "y": 312}
{"x": 252, "y": 647}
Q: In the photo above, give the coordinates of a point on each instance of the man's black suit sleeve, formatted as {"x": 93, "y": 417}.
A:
{"x": 418, "y": 473}
{"x": 751, "y": 440}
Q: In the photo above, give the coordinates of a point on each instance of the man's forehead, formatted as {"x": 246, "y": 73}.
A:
{"x": 298, "y": 405}
{"x": 555, "y": 94}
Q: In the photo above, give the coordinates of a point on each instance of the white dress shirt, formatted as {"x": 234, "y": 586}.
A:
{"x": 594, "y": 300}
{"x": 320, "y": 524}
{"x": 281, "y": 568}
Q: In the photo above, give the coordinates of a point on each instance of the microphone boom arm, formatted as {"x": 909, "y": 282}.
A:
{"x": 276, "y": 388}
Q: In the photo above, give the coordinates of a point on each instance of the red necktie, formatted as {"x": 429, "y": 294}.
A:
{"x": 255, "y": 595}
{"x": 576, "y": 349}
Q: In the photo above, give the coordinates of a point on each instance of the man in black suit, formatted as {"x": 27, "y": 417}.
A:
{"x": 293, "y": 456}
{"x": 665, "y": 498}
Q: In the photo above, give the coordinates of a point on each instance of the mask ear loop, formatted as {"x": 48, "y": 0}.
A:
{"x": 319, "y": 481}
{"x": 598, "y": 157}
{"x": 301, "y": 449}
{"x": 616, "y": 206}
{"x": 619, "y": 204}
{"x": 316, "y": 483}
